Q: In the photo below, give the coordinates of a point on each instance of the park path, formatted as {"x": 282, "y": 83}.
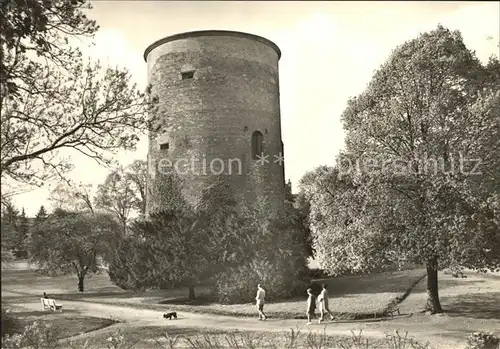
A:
{"x": 423, "y": 328}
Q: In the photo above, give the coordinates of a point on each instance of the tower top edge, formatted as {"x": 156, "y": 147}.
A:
{"x": 200, "y": 33}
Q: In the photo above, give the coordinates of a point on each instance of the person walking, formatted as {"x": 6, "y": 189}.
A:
{"x": 260, "y": 299}
{"x": 323, "y": 304}
{"x": 311, "y": 306}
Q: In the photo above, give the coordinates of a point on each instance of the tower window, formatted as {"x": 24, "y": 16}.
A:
{"x": 257, "y": 148}
{"x": 187, "y": 75}
{"x": 164, "y": 146}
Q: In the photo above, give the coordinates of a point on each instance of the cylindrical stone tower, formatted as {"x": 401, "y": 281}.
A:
{"x": 220, "y": 111}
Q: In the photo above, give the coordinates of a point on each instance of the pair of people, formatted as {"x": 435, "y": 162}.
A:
{"x": 322, "y": 302}
{"x": 311, "y": 303}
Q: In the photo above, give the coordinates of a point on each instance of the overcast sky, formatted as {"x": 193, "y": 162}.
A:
{"x": 329, "y": 53}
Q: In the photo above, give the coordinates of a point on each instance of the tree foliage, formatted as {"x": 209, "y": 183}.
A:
{"x": 180, "y": 246}
{"x": 69, "y": 196}
{"x": 53, "y": 100}
{"x": 15, "y": 229}
{"x": 38, "y": 28}
{"x": 116, "y": 196}
{"x": 71, "y": 242}
{"x": 41, "y": 215}
{"x": 217, "y": 241}
{"x": 123, "y": 192}
{"x": 137, "y": 173}
{"x": 407, "y": 189}
{"x": 276, "y": 255}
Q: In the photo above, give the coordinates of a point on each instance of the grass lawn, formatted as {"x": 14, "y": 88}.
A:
{"x": 69, "y": 323}
{"x": 351, "y": 297}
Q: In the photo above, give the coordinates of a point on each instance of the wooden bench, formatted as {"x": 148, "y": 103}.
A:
{"x": 50, "y": 304}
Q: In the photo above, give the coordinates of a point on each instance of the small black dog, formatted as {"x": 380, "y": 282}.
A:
{"x": 170, "y": 315}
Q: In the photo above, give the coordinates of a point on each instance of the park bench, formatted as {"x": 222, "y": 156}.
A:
{"x": 50, "y": 304}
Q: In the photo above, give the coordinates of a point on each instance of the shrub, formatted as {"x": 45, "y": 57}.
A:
{"x": 8, "y": 322}
{"x": 483, "y": 340}
{"x": 239, "y": 285}
{"x": 36, "y": 336}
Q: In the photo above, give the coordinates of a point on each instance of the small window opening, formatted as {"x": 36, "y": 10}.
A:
{"x": 257, "y": 148}
{"x": 164, "y": 146}
{"x": 187, "y": 75}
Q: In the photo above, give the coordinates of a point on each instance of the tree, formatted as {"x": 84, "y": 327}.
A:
{"x": 406, "y": 189}
{"x": 55, "y": 100}
{"x": 117, "y": 195}
{"x": 69, "y": 196}
{"x": 181, "y": 242}
{"x": 71, "y": 242}
{"x": 302, "y": 209}
{"x": 40, "y": 28}
{"x": 275, "y": 255}
{"x": 182, "y": 245}
{"x": 41, "y": 214}
{"x": 10, "y": 226}
{"x": 137, "y": 174}
{"x": 23, "y": 231}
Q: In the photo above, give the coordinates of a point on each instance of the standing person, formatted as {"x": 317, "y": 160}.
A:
{"x": 311, "y": 306}
{"x": 323, "y": 304}
{"x": 261, "y": 295}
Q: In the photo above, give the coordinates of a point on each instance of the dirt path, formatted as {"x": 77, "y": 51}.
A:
{"x": 423, "y": 328}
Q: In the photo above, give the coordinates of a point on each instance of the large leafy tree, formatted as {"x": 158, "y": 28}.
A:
{"x": 70, "y": 243}
{"x": 52, "y": 99}
{"x": 407, "y": 188}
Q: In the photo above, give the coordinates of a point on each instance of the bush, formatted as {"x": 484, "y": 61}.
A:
{"x": 292, "y": 339}
{"x": 278, "y": 263}
{"x": 482, "y": 340}
{"x": 239, "y": 285}
{"x": 36, "y": 336}
{"x": 8, "y": 322}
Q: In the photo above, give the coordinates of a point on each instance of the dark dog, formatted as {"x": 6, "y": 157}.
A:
{"x": 170, "y": 315}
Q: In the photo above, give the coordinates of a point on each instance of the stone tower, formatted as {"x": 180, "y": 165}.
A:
{"x": 220, "y": 110}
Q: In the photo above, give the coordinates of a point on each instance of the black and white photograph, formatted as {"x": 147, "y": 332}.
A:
{"x": 250, "y": 174}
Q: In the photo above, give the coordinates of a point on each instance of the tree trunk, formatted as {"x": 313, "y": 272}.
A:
{"x": 433, "y": 305}
{"x": 80, "y": 283}
{"x": 191, "y": 295}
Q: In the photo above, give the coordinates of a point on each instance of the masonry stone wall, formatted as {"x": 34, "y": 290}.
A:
{"x": 210, "y": 118}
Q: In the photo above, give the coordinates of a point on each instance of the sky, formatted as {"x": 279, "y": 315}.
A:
{"x": 330, "y": 51}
